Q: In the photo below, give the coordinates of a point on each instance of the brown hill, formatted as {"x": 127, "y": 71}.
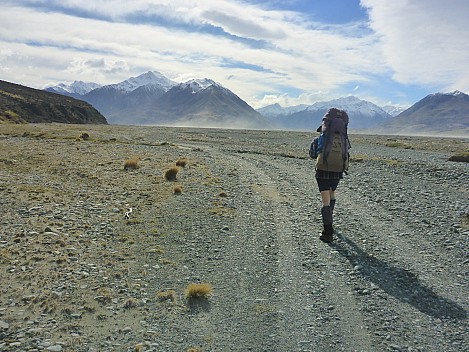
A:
{"x": 440, "y": 113}
{"x": 20, "y": 104}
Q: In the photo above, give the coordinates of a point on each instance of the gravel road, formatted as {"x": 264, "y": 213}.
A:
{"x": 76, "y": 275}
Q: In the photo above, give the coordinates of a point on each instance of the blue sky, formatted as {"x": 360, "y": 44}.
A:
{"x": 287, "y": 52}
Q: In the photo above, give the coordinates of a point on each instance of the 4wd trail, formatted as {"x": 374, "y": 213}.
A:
{"x": 75, "y": 275}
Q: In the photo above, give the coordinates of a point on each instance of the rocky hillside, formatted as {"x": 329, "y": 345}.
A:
{"x": 436, "y": 113}
{"x": 20, "y": 104}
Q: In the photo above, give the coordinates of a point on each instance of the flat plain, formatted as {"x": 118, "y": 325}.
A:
{"x": 95, "y": 256}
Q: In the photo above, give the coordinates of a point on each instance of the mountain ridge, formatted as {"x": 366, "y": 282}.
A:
{"x": 147, "y": 105}
{"x": 21, "y": 104}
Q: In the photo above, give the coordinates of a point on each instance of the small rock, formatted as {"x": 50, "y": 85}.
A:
{"x": 55, "y": 348}
{"x": 4, "y": 325}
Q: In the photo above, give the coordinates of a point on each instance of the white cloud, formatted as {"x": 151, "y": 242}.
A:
{"x": 293, "y": 55}
{"x": 278, "y": 51}
{"x": 424, "y": 42}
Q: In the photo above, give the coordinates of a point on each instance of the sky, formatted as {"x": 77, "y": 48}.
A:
{"x": 289, "y": 52}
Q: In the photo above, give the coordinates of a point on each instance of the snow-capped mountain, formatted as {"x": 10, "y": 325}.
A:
{"x": 363, "y": 114}
{"x": 196, "y": 85}
{"x": 276, "y": 109}
{"x": 73, "y": 89}
{"x": 202, "y": 103}
{"x": 352, "y": 105}
{"x": 148, "y": 78}
{"x": 395, "y": 110}
{"x": 151, "y": 98}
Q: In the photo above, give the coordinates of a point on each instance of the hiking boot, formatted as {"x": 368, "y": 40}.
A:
{"x": 328, "y": 231}
{"x": 327, "y": 234}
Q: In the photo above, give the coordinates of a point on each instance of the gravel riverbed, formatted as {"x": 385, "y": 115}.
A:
{"x": 76, "y": 274}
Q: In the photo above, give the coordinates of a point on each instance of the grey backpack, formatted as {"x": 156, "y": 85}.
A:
{"x": 334, "y": 155}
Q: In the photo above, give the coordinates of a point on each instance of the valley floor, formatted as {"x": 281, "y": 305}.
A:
{"x": 76, "y": 274}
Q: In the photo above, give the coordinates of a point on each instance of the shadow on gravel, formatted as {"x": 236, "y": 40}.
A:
{"x": 399, "y": 282}
{"x": 197, "y": 305}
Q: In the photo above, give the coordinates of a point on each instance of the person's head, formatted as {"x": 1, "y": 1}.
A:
{"x": 322, "y": 126}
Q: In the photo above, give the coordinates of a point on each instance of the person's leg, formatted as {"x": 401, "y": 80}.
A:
{"x": 326, "y": 198}
{"x": 327, "y": 189}
{"x": 332, "y": 200}
{"x": 326, "y": 214}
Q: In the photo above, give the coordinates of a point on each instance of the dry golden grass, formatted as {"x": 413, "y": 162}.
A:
{"x": 132, "y": 163}
{"x": 181, "y": 162}
{"x": 202, "y": 290}
{"x": 177, "y": 190}
{"x": 194, "y": 349}
{"x": 167, "y": 295}
{"x": 460, "y": 157}
{"x": 171, "y": 174}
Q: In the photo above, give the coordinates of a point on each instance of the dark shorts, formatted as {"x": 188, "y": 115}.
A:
{"x": 326, "y": 185}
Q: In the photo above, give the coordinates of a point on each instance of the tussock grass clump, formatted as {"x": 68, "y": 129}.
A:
{"x": 397, "y": 144}
{"x": 202, "y": 290}
{"x": 182, "y": 162}
{"x": 194, "y": 349}
{"x": 177, "y": 190}
{"x": 131, "y": 303}
{"x": 85, "y": 136}
{"x": 222, "y": 194}
{"x": 167, "y": 295}
{"x": 357, "y": 158}
{"x": 132, "y": 163}
{"x": 171, "y": 174}
{"x": 460, "y": 157}
{"x": 465, "y": 220}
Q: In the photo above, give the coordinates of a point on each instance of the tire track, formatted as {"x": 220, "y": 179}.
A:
{"x": 315, "y": 304}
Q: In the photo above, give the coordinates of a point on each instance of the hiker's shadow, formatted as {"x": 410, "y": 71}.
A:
{"x": 399, "y": 282}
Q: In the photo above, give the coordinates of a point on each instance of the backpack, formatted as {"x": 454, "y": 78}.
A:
{"x": 334, "y": 155}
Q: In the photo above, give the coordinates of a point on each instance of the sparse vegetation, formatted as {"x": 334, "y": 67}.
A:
{"x": 202, "y": 290}
{"x": 465, "y": 220}
{"x": 167, "y": 295}
{"x": 131, "y": 303}
{"x": 76, "y": 268}
{"x": 194, "y": 349}
{"x": 182, "y": 162}
{"x": 460, "y": 157}
{"x": 171, "y": 174}
{"x": 132, "y": 163}
{"x": 398, "y": 144}
{"x": 177, "y": 190}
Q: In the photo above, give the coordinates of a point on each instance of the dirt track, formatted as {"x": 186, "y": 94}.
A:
{"x": 77, "y": 276}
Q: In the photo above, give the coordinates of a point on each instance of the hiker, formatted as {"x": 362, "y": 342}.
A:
{"x": 330, "y": 150}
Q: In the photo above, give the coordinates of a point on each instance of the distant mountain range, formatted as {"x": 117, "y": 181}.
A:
{"x": 436, "y": 113}
{"x": 153, "y": 99}
{"x": 20, "y": 104}
{"x": 363, "y": 114}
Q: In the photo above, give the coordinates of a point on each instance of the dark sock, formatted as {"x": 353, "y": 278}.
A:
{"x": 332, "y": 205}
